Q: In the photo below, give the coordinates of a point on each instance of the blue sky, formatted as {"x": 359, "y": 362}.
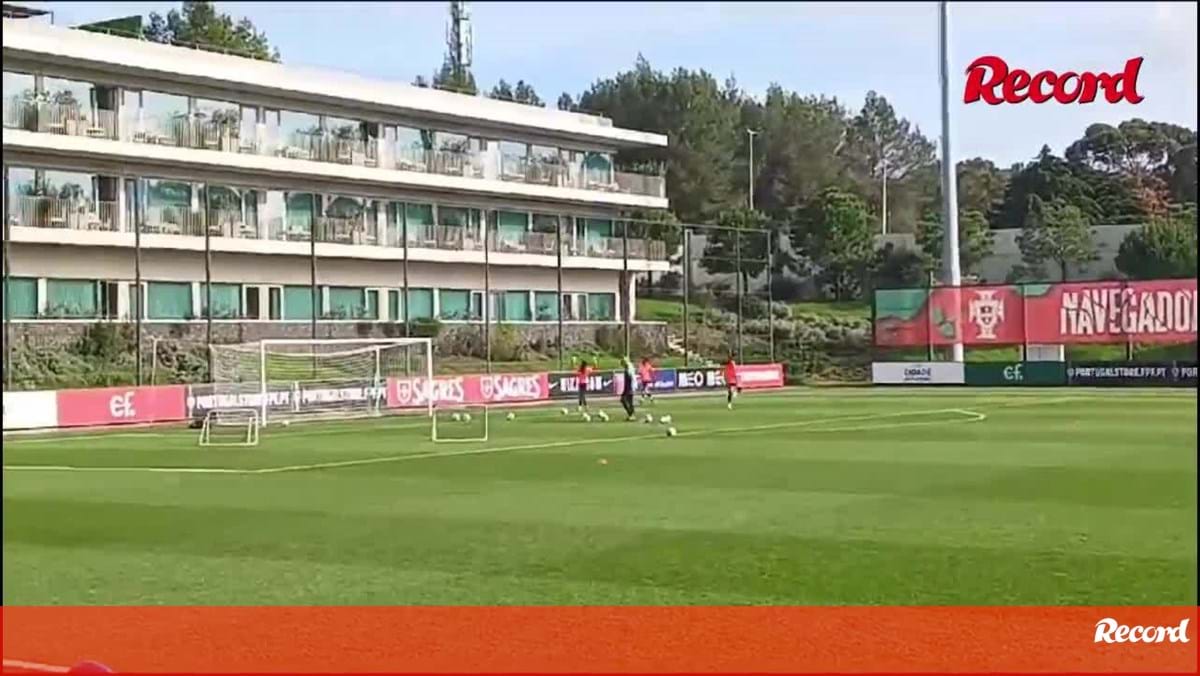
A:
{"x": 839, "y": 49}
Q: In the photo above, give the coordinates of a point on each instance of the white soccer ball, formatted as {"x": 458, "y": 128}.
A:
{"x": 587, "y": 418}
{"x": 510, "y": 416}
{"x": 466, "y": 417}
{"x": 565, "y": 412}
{"x": 666, "y": 420}
{"x": 671, "y": 432}
{"x": 603, "y": 416}
{"x": 648, "y": 419}
{"x": 286, "y": 423}
{"x": 456, "y": 417}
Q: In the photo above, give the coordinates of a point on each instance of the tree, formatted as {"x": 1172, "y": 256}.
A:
{"x": 893, "y": 268}
{"x": 980, "y": 185}
{"x": 521, "y": 93}
{"x": 1161, "y": 249}
{"x": 1050, "y": 179}
{"x": 198, "y": 22}
{"x": 1058, "y": 233}
{"x": 451, "y": 79}
{"x": 1142, "y": 152}
{"x": 834, "y": 235}
{"x": 800, "y": 146}
{"x": 975, "y": 239}
{"x": 746, "y": 239}
{"x": 881, "y": 146}
{"x": 566, "y": 102}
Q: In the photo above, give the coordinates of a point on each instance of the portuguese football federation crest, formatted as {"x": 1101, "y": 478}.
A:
{"x": 987, "y": 312}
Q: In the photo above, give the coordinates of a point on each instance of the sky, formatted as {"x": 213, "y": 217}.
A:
{"x": 836, "y": 49}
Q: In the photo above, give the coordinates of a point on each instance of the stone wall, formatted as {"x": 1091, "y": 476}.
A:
{"x": 453, "y": 339}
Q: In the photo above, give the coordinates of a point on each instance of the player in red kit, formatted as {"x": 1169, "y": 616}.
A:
{"x": 731, "y": 382}
{"x": 581, "y": 378}
{"x": 646, "y": 375}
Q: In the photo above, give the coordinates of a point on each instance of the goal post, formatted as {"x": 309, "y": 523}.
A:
{"x": 230, "y": 427}
{"x": 298, "y": 379}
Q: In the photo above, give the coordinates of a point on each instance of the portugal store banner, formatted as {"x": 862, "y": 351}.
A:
{"x": 687, "y": 639}
{"x": 1052, "y": 314}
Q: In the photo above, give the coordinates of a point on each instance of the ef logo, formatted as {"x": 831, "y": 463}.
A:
{"x": 121, "y": 405}
{"x": 990, "y": 79}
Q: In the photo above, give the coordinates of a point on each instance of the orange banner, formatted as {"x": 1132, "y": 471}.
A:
{"x": 604, "y": 639}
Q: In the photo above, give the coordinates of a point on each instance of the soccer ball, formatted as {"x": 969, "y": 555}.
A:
{"x": 286, "y": 423}
{"x": 587, "y": 418}
{"x": 456, "y": 417}
{"x": 671, "y": 432}
{"x": 466, "y": 417}
{"x": 565, "y": 412}
{"x": 511, "y": 416}
{"x": 666, "y": 420}
{"x": 648, "y": 419}
{"x": 603, "y": 416}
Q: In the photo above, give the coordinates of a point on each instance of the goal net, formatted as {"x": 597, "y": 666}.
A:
{"x": 293, "y": 380}
{"x": 230, "y": 427}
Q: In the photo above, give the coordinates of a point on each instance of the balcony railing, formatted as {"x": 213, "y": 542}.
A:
{"x": 173, "y": 220}
{"x": 346, "y": 230}
{"x": 444, "y": 162}
{"x": 232, "y": 223}
{"x": 59, "y": 118}
{"x": 55, "y": 212}
{"x": 541, "y": 243}
{"x": 451, "y": 237}
{"x": 534, "y": 170}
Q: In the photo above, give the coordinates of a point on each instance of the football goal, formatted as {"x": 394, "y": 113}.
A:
{"x": 230, "y": 427}
{"x": 295, "y": 380}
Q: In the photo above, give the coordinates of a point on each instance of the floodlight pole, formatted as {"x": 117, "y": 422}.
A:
{"x": 950, "y": 261}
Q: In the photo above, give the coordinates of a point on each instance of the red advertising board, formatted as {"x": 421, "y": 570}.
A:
{"x": 760, "y": 376}
{"x": 118, "y": 405}
{"x": 1050, "y": 314}
{"x": 472, "y": 389}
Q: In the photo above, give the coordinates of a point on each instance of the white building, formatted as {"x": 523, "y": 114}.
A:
{"x": 262, "y": 165}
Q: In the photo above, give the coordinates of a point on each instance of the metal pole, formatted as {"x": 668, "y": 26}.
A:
{"x": 950, "y": 262}
{"x": 487, "y": 298}
{"x": 687, "y": 266}
{"x": 137, "y": 275}
{"x": 770, "y": 294}
{"x": 404, "y": 266}
{"x": 628, "y": 304}
{"x": 750, "y": 133}
{"x": 883, "y": 209}
{"x": 312, "y": 277}
{"x": 559, "y": 271}
{"x": 737, "y": 248}
{"x": 208, "y": 308}
{"x": 7, "y": 268}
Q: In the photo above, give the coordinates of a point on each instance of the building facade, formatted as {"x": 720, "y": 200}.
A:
{"x": 248, "y": 191}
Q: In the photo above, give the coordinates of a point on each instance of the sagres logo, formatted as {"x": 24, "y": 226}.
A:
{"x": 990, "y": 79}
{"x": 1109, "y": 630}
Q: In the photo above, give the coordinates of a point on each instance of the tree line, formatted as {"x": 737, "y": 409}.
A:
{"x": 821, "y": 167}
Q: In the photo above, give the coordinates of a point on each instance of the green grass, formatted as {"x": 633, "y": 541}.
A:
{"x": 838, "y": 497}
{"x": 851, "y": 309}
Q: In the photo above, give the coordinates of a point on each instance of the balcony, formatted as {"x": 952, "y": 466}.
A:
{"x": 71, "y": 214}
{"x": 450, "y": 237}
{"x": 443, "y": 162}
{"x": 58, "y": 118}
{"x": 614, "y": 247}
{"x": 538, "y": 243}
{"x": 346, "y": 231}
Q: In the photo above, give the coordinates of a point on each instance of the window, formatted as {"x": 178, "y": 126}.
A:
{"x": 420, "y": 304}
{"x": 347, "y": 303}
{"x": 169, "y": 300}
{"x": 510, "y": 230}
{"x": 275, "y": 302}
{"x": 454, "y": 304}
{"x": 109, "y": 299}
{"x": 20, "y": 298}
{"x": 601, "y": 307}
{"x": 226, "y": 301}
{"x": 253, "y": 302}
{"x": 545, "y": 306}
{"x": 574, "y": 306}
{"x": 372, "y": 304}
{"x": 297, "y": 302}
{"x": 516, "y": 306}
{"x": 395, "y": 310}
{"x": 72, "y": 298}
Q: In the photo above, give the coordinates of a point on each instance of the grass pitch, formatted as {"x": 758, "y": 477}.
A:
{"x": 926, "y": 496}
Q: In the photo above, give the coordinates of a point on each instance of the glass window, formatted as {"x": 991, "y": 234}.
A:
{"x": 601, "y": 307}
{"x": 545, "y": 306}
{"x": 20, "y": 298}
{"x": 454, "y": 304}
{"x": 72, "y": 298}
{"x": 226, "y": 301}
{"x": 516, "y": 306}
{"x": 169, "y": 300}
{"x": 347, "y": 302}
{"x": 545, "y": 223}
{"x": 395, "y": 311}
{"x": 510, "y": 228}
{"x": 420, "y": 303}
{"x": 419, "y": 214}
{"x": 297, "y": 302}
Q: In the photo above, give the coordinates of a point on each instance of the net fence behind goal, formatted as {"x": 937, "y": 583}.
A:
{"x": 290, "y": 380}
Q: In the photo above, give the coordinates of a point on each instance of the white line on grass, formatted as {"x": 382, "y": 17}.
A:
{"x": 35, "y": 666}
{"x": 970, "y": 416}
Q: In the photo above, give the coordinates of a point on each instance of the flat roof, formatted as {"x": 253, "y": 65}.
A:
{"x": 41, "y": 43}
